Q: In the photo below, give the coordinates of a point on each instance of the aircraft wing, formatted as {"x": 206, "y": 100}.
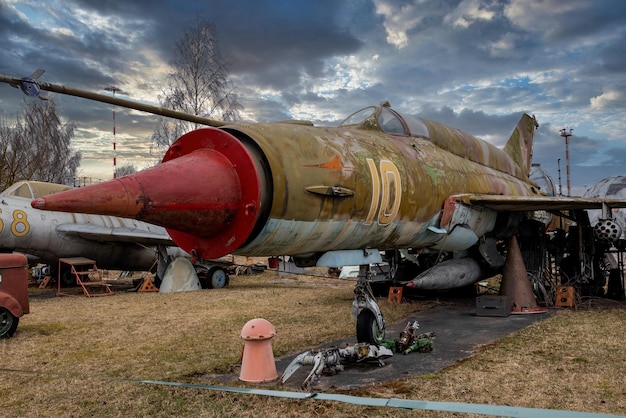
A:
{"x": 532, "y": 203}
{"x": 116, "y": 234}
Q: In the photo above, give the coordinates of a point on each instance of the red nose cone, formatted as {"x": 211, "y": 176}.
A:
{"x": 110, "y": 198}
{"x": 206, "y": 193}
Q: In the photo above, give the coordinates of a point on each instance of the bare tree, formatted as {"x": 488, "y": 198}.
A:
{"x": 37, "y": 146}
{"x": 198, "y": 84}
{"x": 125, "y": 170}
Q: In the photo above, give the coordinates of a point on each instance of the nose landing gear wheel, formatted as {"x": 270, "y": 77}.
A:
{"x": 367, "y": 330}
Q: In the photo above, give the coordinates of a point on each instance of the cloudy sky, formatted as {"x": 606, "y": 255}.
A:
{"x": 474, "y": 64}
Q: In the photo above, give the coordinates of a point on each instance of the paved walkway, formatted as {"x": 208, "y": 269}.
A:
{"x": 458, "y": 332}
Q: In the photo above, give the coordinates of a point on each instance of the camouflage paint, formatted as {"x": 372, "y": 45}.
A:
{"x": 296, "y": 189}
{"x": 304, "y": 158}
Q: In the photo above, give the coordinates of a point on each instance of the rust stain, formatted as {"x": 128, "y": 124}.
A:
{"x": 448, "y": 211}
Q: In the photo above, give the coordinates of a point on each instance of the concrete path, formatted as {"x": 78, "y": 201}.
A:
{"x": 458, "y": 332}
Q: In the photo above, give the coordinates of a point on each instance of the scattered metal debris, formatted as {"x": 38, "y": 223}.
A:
{"x": 410, "y": 340}
{"x": 328, "y": 361}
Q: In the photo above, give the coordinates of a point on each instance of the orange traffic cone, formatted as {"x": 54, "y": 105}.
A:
{"x": 515, "y": 284}
{"x": 257, "y": 358}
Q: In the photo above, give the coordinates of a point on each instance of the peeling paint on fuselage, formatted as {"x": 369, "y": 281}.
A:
{"x": 300, "y": 222}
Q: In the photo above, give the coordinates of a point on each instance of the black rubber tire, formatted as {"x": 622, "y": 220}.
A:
{"x": 68, "y": 279}
{"x": 367, "y": 330}
{"x": 8, "y": 323}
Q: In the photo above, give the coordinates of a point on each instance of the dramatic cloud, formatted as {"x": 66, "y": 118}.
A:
{"x": 474, "y": 64}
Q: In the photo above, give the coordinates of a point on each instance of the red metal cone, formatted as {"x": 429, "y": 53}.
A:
{"x": 202, "y": 203}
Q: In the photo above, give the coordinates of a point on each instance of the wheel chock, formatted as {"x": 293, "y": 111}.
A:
{"x": 148, "y": 286}
{"x": 45, "y": 282}
{"x": 395, "y": 294}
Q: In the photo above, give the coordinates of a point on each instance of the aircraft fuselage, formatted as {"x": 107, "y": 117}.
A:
{"x": 342, "y": 188}
{"x": 294, "y": 189}
{"x": 41, "y": 237}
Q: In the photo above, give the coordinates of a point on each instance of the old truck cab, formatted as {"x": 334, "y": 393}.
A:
{"x": 13, "y": 292}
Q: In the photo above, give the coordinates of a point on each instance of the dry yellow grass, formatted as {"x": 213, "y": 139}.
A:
{"x": 69, "y": 352}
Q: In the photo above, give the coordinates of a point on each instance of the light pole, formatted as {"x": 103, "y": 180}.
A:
{"x": 558, "y": 165}
{"x": 566, "y": 134}
{"x": 114, "y": 90}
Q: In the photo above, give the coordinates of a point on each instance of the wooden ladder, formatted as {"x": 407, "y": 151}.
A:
{"x": 87, "y": 276}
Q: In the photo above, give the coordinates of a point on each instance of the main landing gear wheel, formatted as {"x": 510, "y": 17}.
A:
{"x": 367, "y": 330}
{"x": 8, "y": 323}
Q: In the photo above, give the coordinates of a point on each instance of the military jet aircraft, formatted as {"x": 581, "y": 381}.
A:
{"x": 113, "y": 242}
{"x": 611, "y": 187}
{"x": 415, "y": 189}
{"x": 44, "y": 237}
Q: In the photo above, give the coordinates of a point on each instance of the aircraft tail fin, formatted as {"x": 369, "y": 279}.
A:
{"x": 520, "y": 144}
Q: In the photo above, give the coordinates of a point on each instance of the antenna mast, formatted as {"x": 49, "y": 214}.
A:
{"x": 565, "y": 133}
{"x": 114, "y": 90}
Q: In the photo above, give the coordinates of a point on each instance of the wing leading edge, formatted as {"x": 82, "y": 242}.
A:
{"x": 533, "y": 203}
{"x": 116, "y": 235}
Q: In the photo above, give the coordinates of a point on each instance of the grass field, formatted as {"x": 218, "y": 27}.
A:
{"x": 69, "y": 354}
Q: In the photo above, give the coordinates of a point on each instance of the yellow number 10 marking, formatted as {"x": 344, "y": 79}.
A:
{"x": 386, "y": 194}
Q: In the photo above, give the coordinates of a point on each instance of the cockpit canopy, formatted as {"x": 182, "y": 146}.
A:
{"x": 34, "y": 189}
{"x": 384, "y": 119}
{"x": 388, "y": 120}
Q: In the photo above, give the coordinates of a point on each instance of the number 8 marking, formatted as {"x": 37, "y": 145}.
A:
{"x": 20, "y": 226}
